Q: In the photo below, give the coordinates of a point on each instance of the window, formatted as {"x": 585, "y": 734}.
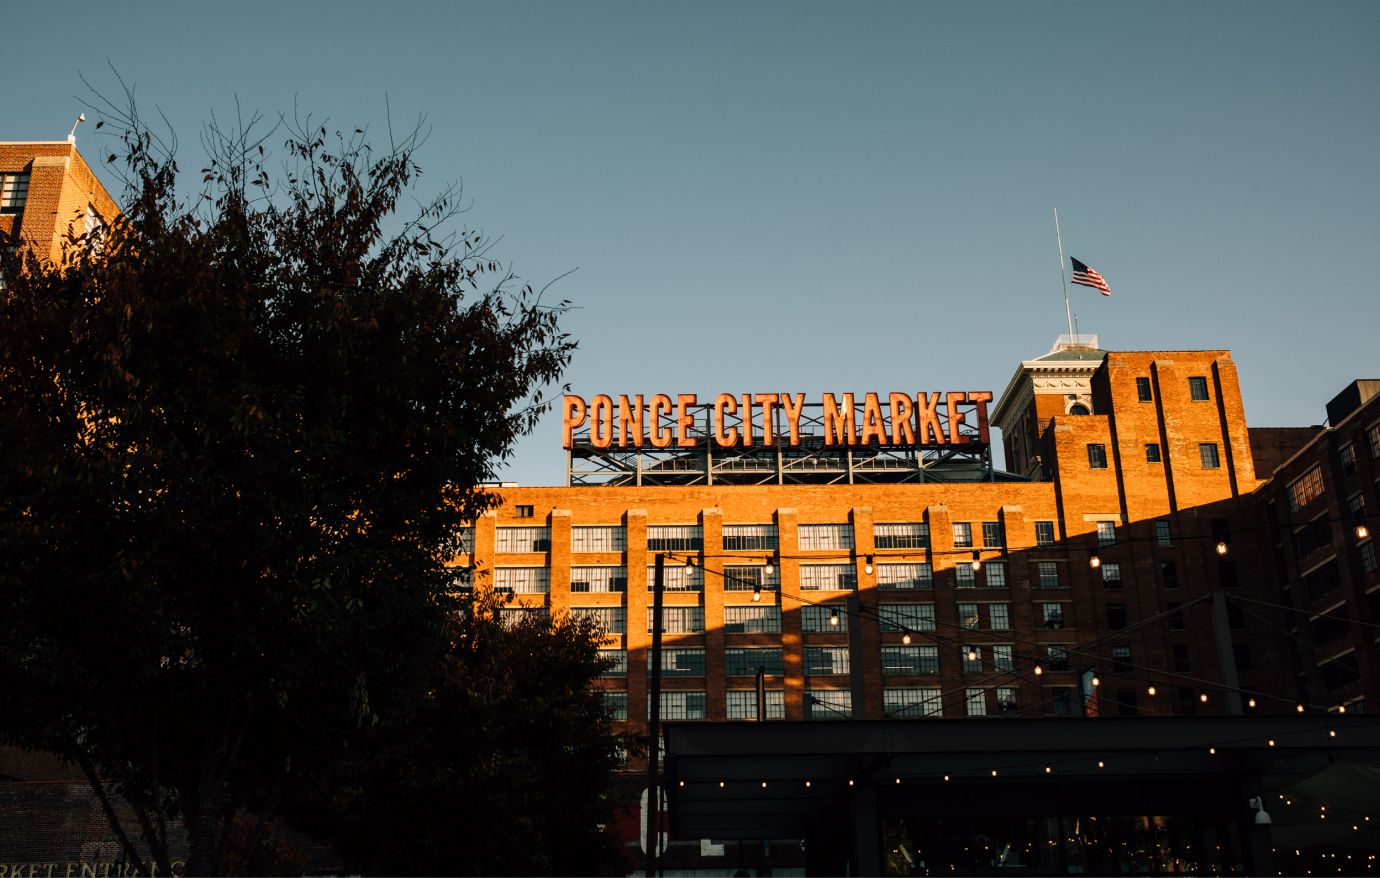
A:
{"x": 522, "y": 539}
{"x": 1356, "y": 508}
{"x": 992, "y": 537}
{"x": 1143, "y": 389}
{"x": 823, "y": 619}
{"x": 1313, "y": 538}
{"x": 999, "y": 617}
{"x": 963, "y": 535}
{"x": 829, "y": 704}
{"x": 1169, "y": 574}
{"x": 819, "y": 537}
{"x": 680, "y": 662}
{"x": 1198, "y": 389}
{"x": 1305, "y": 489}
{"x": 964, "y": 576}
{"x": 971, "y": 657}
{"x": 910, "y": 660}
{"x": 750, "y": 578}
{"x": 514, "y": 616}
{"x": 601, "y": 538}
{"x": 742, "y": 704}
{"x": 1162, "y": 535}
{"x": 1058, "y": 656}
{"x": 1347, "y": 457}
{"x": 679, "y": 620}
{"x": 1111, "y": 575}
{"x": 905, "y": 576}
{"x": 912, "y": 617}
{"x": 828, "y": 577}
{"x": 1097, "y": 455}
{"x": 750, "y": 537}
{"x": 612, "y": 620}
{"x": 975, "y": 702}
{"x": 1176, "y": 617}
{"x": 1367, "y": 552}
{"x": 744, "y": 662}
{"x": 675, "y": 538}
{"x": 466, "y": 537}
{"x": 598, "y": 579}
{"x": 14, "y": 192}
{"x": 1373, "y": 439}
{"x": 1002, "y": 658}
{"x": 1044, "y": 533}
{"x": 1053, "y": 615}
{"x": 524, "y": 510}
{"x": 1152, "y": 452}
{"x": 1207, "y": 452}
{"x": 968, "y": 616}
{"x": 1049, "y": 573}
{"x": 995, "y": 571}
{"x": 1121, "y": 660}
{"x": 1061, "y": 701}
{"x": 1106, "y": 533}
{"x": 617, "y": 705}
{"x": 522, "y": 580}
{"x": 752, "y": 620}
{"x": 825, "y": 660}
{"x": 616, "y": 662}
{"x": 1006, "y": 700}
{"x": 681, "y": 705}
{"x": 911, "y": 535}
{"x": 1116, "y": 616}
{"x": 912, "y": 703}
{"x": 676, "y": 577}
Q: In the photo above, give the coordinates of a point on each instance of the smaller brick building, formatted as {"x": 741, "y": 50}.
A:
{"x": 47, "y": 193}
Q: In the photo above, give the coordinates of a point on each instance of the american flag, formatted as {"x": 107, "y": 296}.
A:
{"x": 1085, "y": 275}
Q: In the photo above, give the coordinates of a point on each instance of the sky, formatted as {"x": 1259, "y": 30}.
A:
{"x": 807, "y": 197}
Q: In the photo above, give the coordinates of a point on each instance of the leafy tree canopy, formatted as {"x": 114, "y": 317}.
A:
{"x": 241, "y": 434}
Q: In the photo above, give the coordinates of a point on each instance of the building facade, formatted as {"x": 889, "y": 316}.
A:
{"x": 47, "y": 194}
{"x": 1082, "y": 583}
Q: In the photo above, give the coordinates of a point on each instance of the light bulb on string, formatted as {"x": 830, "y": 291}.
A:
{"x": 1096, "y": 681}
{"x": 834, "y": 618}
{"x": 1299, "y": 708}
{"x": 972, "y": 654}
{"x": 756, "y": 593}
{"x": 905, "y": 638}
{"x": 1251, "y": 704}
{"x": 977, "y": 561}
{"x": 1362, "y": 531}
{"x": 1150, "y": 690}
{"x": 1202, "y": 696}
{"x": 1039, "y": 670}
{"x": 1222, "y": 547}
{"x": 771, "y": 565}
{"x": 867, "y": 565}
{"x": 690, "y": 565}
{"x": 1094, "y": 561}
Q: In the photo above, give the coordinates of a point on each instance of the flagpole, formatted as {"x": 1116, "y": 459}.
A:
{"x": 1062, "y": 281}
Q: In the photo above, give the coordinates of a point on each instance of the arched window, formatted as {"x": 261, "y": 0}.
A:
{"x": 1078, "y": 409}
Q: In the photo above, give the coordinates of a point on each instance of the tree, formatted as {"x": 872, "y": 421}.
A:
{"x": 504, "y": 770}
{"x": 241, "y": 436}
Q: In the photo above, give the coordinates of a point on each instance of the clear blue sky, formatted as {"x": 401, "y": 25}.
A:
{"x": 804, "y": 197}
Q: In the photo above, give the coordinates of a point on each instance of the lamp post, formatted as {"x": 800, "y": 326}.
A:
{"x": 654, "y": 722}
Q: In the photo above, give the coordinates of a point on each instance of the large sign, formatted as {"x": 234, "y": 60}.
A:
{"x": 776, "y": 419}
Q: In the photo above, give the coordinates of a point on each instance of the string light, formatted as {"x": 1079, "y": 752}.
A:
{"x": 867, "y": 566}
{"x": 689, "y": 565}
{"x": 850, "y": 781}
{"x": 764, "y": 785}
{"x": 1222, "y": 547}
{"x": 1203, "y": 697}
{"x": 1362, "y": 531}
{"x": 807, "y": 784}
{"x": 1271, "y": 742}
{"x": 1049, "y": 770}
{"x": 946, "y": 778}
{"x": 834, "y": 618}
{"x": 1332, "y": 733}
{"x": 905, "y": 637}
{"x": 977, "y": 561}
{"x": 771, "y": 565}
{"x": 972, "y": 654}
{"x": 1096, "y": 681}
{"x": 721, "y": 784}
{"x": 1212, "y": 751}
{"x": 1150, "y": 690}
{"x": 898, "y": 780}
{"x": 1039, "y": 670}
{"x": 1251, "y": 704}
{"x": 1341, "y": 708}
{"x": 1094, "y": 561}
{"x": 994, "y": 772}
{"x": 756, "y": 593}
{"x": 1101, "y": 764}
{"x": 1299, "y": 708}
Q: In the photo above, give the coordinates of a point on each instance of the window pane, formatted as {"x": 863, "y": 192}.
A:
{"x": 829, "y": 704}
{"x": 1097, "y": 456}
{"x": 1044, "y": 533}
{"x": 814, "y": 537}
{"x": 905, "y": 576}
{"x": 742, "y": 704}
{"x": 675, "y": 538}
{"x": 828, "y": 577}
{"x": 598, "y": 579}
{"x": 826, "y": 660}
{"x": 913, "y": 535}
{"x": 522, "y": 539}
{"x": 1198, "y": 389}
{"x": 1049, "y": 574}
{"x": 752, "y": 619}
{"x": 744, "y": 662}
{"x": 1208, "y": 452}
{"x": 522, "y": 580}
{"x": 749, "y": 537}
{"x": 963, "y": 535}
{"x": 601, "y": 538}
{"x": 912, "y": 703}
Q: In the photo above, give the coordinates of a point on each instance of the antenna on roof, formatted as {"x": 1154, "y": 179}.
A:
{"x": 72, "y": 135}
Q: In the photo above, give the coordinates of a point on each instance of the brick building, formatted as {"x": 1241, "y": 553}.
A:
{"x": 47, "y": 193}
{"x": 973, "y": 597}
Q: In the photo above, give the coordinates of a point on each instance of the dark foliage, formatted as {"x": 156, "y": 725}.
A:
{"x": 240, "y": 436}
